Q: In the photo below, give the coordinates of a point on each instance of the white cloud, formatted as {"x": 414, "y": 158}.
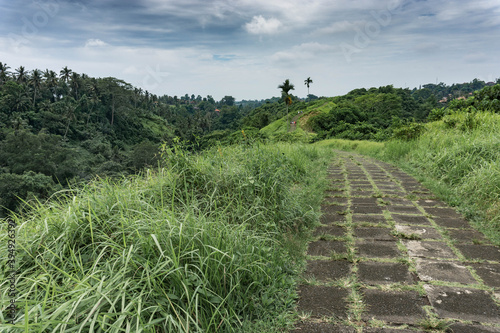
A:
{"x": 341, "y": 26}
{"x": 427, "y": 47}
{"x": 131, "y": 70}
{"x": 259, "y": 25}
{"x": 478, "y": 57}
{"x": 95, "y": 43}
{"x": 302, "y": 52}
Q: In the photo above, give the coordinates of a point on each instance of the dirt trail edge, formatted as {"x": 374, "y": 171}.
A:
{"x": 390, "y": 257}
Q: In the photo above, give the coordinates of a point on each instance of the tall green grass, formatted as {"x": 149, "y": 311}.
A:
{"x": 210, "y": 243}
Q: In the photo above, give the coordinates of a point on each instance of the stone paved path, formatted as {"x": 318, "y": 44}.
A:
{"x": 389, "y": 257}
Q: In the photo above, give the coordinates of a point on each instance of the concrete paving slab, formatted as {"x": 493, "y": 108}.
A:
{"x": 458, "y": 223}
{"x": 428, "y": 249}
{"x": 364, "y": 201}
{"x": 399, "y": 202}
{"x": 411, "y": 182}
{"x": 325, "y": 248}
{"x": 359, "y": 193}
{"x": 489, "y": 273}
{"x": 327, "y": 270}
{"x": 366, "y": 186}
{"x": 463, "y": 328}
{"x": 308, "y": 327}
{"x": 393, "y": 307}
{"x": 336, "y": 193}
{"x": 374, "y": 233}
{"x": 481, "y": 252}
{"x": 425, "y": 196}
{"x": 361, "y": 182}
{"x": 410, "y": 219}
{"x": 404, "y": 210}
{"x": 322, "y": 301}
{"x": 393, "y": 193}
{"x": 443, "y": 212}
{"x": 388, "y": 330}
{"x": 332, "y": 218}
{"x": 377, "y": 249}
{"x": 332, "y": 230}
{"x": 386, "y": 183}
{"x": 333, "y": 209}
{"x": 336, "y": 184}
{"x": 431, "y": 203}
{"x": 412, "y": 187}
{"x": 336, "y": 200}
{"x": 373, "y": 273}
{"x": 359, "y": 218}
{"x": 365, "y": 209}
{"x": 392, "y": 187}
{"x": 336, "y": 187}
{"x": 467, "y": 236}
{"x": 381, "y": 177}
{"x": 463, "y": 303}
{"x": 358, "y": 178}
{"x": 355, "y": 172}
{"x": 431, "y": 270}
{"x": 422, "y": 232}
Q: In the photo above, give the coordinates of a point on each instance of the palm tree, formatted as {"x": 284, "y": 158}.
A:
{"x": 94, "y": 99}
{"x": 75, "y": 84}
{"x": 307, "y": 82}
{"x": 285, "y": 88}
{"x": 36, "y": 81}
{"x": 51, "y": 82}
{"x": 70, "y": 108}
{"x": 20, "y": 100}
{"x": 4, "y": 73}
{"x": 21, "y": 74}
{"x": 65, "y": 73}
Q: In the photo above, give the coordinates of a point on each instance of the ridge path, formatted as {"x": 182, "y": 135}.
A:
{"x": 390, "y": 257}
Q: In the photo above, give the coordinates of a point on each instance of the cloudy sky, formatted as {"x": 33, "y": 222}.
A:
{"x": 246, "y": 48}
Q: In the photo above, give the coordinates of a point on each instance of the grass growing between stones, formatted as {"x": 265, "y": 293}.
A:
{"x": 458, "y": 162}
{"x": 210, "y": 243}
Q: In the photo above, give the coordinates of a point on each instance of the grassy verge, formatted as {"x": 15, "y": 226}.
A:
{"x": 210, "y": 243}
{"x": 458, "y": 158}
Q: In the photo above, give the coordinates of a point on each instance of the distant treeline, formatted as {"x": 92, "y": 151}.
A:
{"x": 64, "y": 128}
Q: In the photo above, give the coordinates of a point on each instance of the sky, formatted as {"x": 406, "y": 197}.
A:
{"x": 246, "y": 48}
